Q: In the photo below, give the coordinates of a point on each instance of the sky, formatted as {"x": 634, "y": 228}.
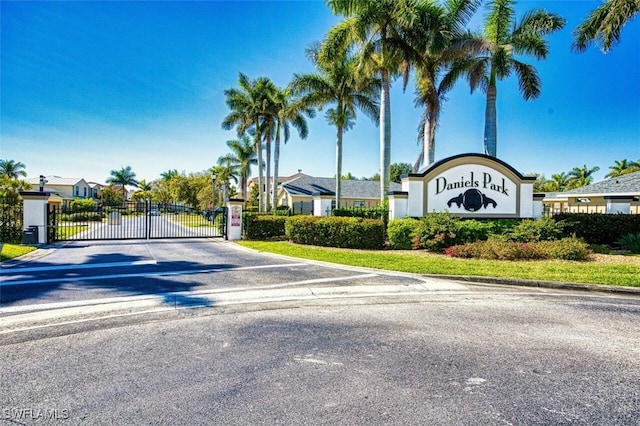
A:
{"x": 91, "y": 87}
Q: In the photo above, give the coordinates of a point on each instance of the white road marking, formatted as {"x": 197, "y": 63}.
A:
{"x": 82, "y": 266}
{"x": 143, "y": 274}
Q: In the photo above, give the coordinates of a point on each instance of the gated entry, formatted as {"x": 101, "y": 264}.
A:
{"x": 136, "y": 220}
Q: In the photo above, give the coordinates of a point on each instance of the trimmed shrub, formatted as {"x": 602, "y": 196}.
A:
{"x": 565, "y": 249}
{"x": 363, "y": 212}
{"x": 400, "y": 233}
{"x": 436, "y": 231}
{"x": 81, "y": 217}
{"x": 83, "y": 205}
{"x": 336, "y": 232}
{"x": 598, "y": 228}
{"x": 263, "y": 226}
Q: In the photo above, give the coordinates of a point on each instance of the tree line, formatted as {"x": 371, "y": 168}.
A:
{"x": 379, "y": 41}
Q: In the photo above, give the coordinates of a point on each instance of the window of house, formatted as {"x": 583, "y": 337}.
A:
{"x": 77, "y": 191}
{"x": 85, "y": 192}
{"x": 358, "y": 204}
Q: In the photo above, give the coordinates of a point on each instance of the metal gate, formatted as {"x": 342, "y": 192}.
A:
{"x": 136, "y": 220}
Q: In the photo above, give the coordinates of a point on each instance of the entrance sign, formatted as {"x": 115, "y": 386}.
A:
{"x": 468, "y": 185}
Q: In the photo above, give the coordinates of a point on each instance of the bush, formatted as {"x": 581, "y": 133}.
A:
{"x": 436, "y": 231}
{"x": 565, "y": 249}
{"x": 336, "y": 232}
{"x": 630, "y": 242}
{"x": 83, "y": 205}
{"x": 363, "y": 212}
{"x": 474, "y": 230}
{"x": 533, "y": 230}
{"x": 400, "y": 233}
{"x": 81, "y": 217}
{"x": 263, "y": 226}
{"x": 597, "y": 228}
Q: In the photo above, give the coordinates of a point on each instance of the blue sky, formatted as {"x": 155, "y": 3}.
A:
{"x": 89, "y": 87}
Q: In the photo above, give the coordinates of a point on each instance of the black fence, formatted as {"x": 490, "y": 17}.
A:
{"x": 11, "y": 217}
{"x": 136, "y": 220}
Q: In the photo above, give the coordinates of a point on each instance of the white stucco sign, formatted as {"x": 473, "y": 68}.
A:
{"x": 469, "y": 185}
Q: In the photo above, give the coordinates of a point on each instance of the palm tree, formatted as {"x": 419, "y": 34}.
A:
{"x": 559, "y": 182}
{"x": 168, "y": 175}
{"x": 226, "y": 170}
{"x": 379, "y": 30}
{"x": 604, "y": 25}
{"x": 249, "y": 105}
{"x": 243, "y": 156}
{"x": 123, "y": 177}
{"x": 581, "y": 176}
{"x": 336, "y": 83}
{"x": 289, "y": 113}
{"x": 12, "y": 169}
{"x": 439, "y": 65}
{"x": 623, "y": 167}
{"x": 503, "y": 38}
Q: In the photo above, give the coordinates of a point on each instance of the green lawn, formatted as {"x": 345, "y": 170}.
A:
{"x": 610, "y": 270}
{"x": 11, "y": 251}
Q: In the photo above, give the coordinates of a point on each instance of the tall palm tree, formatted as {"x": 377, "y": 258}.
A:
{"x": 623, "y": 167}
{"x": 581, "y": 176}
{"x": 123, "y": 177}
{"x": 604, "y": 25}
{"x": 12, "y": 169}
{"x": 169, "y": 174}
{"x": 336, "y": 83}
{"x": 439, "y": 65}
{"x": 503, "y": 38}
{"x": 243, "y": 156}
{"x": 290, "y": 112}
{"x": 249, "y": 105}
{"x": 379, "y": 29}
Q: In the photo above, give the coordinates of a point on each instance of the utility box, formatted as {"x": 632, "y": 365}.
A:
{"x": 30, "y": 235}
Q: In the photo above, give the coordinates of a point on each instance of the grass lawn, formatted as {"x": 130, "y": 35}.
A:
{"x": 602, "y": 269}
{"x": 10, "y": 251}
{"x": 193, "y": 221}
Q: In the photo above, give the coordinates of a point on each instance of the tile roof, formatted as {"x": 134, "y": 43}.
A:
{"x": 358, "y": 189}
{"x": 625, "y": 184}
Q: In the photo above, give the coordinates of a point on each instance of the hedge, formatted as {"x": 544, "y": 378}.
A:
{"x": 343, "y": 232}
{"x": 598, "y": 228}
{"x": 263, "y": 226}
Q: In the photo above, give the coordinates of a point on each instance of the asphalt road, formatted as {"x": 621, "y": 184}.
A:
{"x": 325, "y": 346}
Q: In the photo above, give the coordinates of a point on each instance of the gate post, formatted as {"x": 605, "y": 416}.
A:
{"x": 234, "y": 219}
{"x": 35, "y": 211}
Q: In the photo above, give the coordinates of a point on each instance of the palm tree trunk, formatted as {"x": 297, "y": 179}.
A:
{"x": 268, "y": 184}
{"x": 338, "y": 166}
{"x": 276, "y": 164}
{"x": 258, "y": 146}
{"x": 385, "y": 135}
{"x": 490, "y": 122}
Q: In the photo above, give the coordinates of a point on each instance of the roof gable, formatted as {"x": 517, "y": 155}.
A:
{"x": 625, "y": 184}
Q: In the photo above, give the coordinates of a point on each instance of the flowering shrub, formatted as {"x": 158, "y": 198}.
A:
{"x": 565, "y": 249}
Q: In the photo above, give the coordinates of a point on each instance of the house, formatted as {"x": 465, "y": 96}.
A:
{"x": 301, "y": 192}
{"x": 67, "y": 188}
{"x": 616, "y": 195}
{"x": 281, "y": 179}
